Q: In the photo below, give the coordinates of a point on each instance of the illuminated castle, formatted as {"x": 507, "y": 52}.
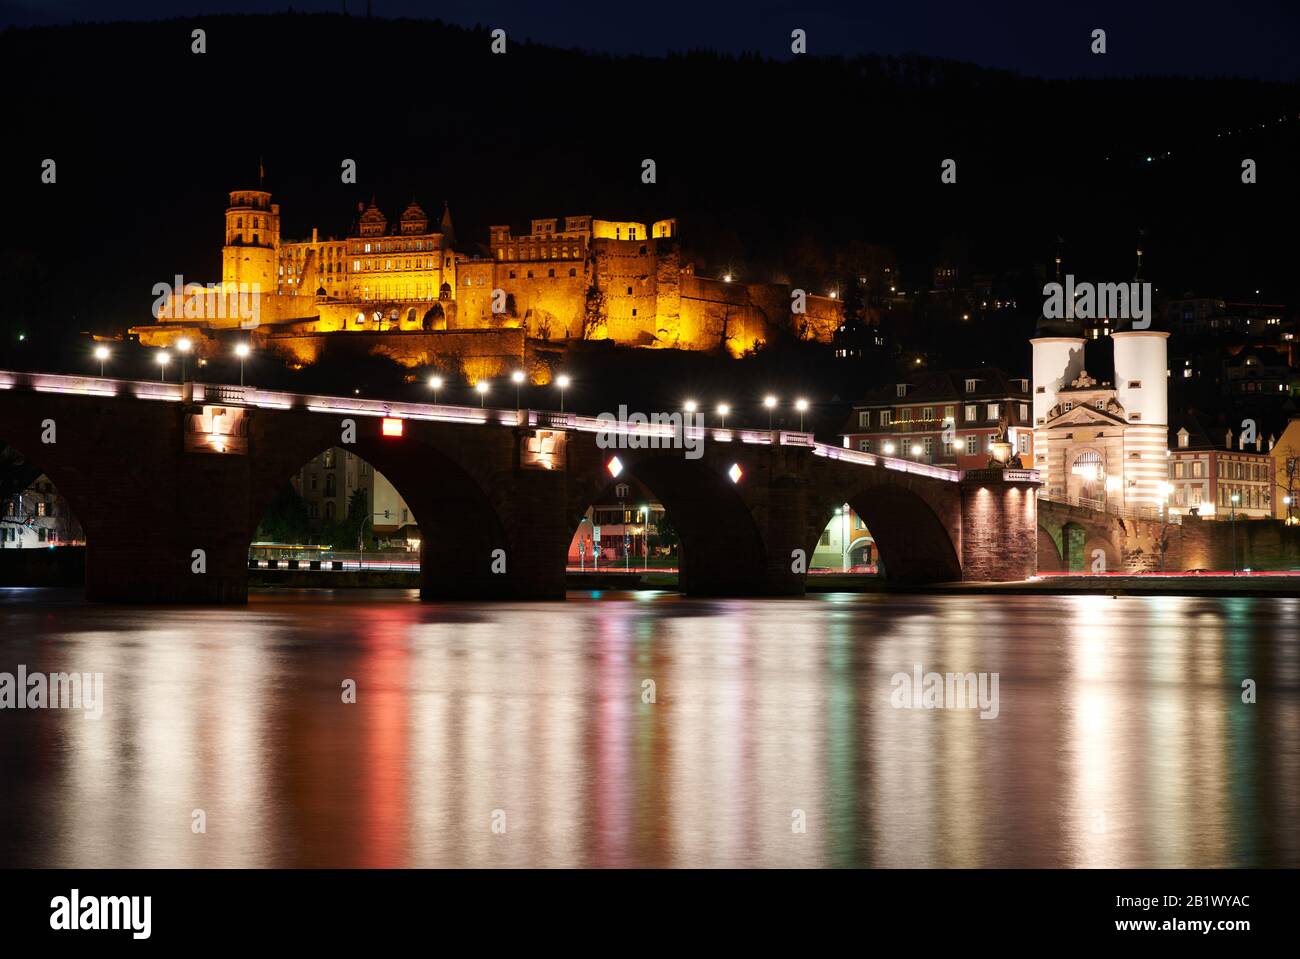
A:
{"x": 586, "y": 278}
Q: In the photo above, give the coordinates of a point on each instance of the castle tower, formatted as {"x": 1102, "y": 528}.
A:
{"x": 1142, "y": 388}
{"x": 1057, "y": 361}
{"x": 252, "y": 246}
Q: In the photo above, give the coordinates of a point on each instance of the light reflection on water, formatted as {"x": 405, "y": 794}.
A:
{"x": 1121, "y": 738}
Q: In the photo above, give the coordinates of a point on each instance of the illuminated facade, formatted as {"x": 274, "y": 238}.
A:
{"x": 575, "y": 278}
{"x": 1103, "y": 445}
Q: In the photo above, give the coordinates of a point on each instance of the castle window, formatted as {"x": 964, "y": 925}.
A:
{"x": 551, "y": 272}
{"x": 530, "y": 274}
{"x": 629, "y": 291}
{"x": 634, "y": 311}
{"x": 1135, "y": 384}
{"x": 572, "y": 272}
{"x": 254, "y": 237}
{"x": 512, "y": 274}
{"x": 239, "y": 223}
{"x": 643, "y": 251}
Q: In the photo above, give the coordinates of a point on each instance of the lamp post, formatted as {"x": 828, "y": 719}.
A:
{"x": 1286, "y": 501}
{"x": 645, "y": 537}
{"x": 163, "y": 358}
{"x": 101, "y": 354}
{"x": 242, "y": 352}
{"x": 183, "y": 347}
{"x": 770, "y": 402}
{"x": 1166, "y": 489}
{"x": 482, "y": 387}
{"x": 690, "y": 406}
{"x": 723, "y": 410}
{"x": 802, "y": 406}
{"x": 435, "y": 384}
{"x": 1235, "y": 499}
{"x": 517, "y": 377}
{"x": 562, "y": 381}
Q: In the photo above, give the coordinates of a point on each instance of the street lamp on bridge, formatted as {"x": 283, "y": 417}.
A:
{"x": 163, "y": 359}
{"x": 482, "y": 387}
{"x": 435, "y": 384}
{"x": 101, "y": 354}
{"x": 517, "y": 377}
{"x": 562, "y": 381}
{"x": 242, "y": 350}
{"x": 770, "y": 402}
{"x": 183, "y": 347}
{"x": 723, "y": 410}
{"x": 802, "y": 406}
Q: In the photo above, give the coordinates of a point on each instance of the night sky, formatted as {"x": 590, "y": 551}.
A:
{"x": 779, "y": 168}
{"x": 1194, "y": 38}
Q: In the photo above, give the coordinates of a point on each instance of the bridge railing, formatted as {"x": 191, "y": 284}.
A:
{"x": 888, "y": 462}
{"x": 1150, "y": 514}
{"x": 230, "y": 395}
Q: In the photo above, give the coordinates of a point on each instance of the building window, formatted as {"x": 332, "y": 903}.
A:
{"x": 971, "y": 413}
{"x": 864, "y": 418}
{"x": 970, "y": 386}
{"x": 899, "y": 390}
{"x": 884, "y": 417}
{"x": 993, "y": 411}
{"x": 1024, "y": 412}
{"x": 972, "y": 445}
{"x": 1135, "y": 384}
{"x": 947, "y": 413}
{"x": 927, "y": 413}
{"x": 928, "y": 445}
{"x": 864, "y": 445}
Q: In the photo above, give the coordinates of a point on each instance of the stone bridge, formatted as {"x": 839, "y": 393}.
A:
{"x": 169, "y": 482}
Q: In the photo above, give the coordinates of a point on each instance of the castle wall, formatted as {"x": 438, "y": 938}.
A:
{"x": 476, "y": 354}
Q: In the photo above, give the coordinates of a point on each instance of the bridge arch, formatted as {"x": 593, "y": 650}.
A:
{"x": 913, "y": 540}
{"x": 461, "y": 522}
{"x": 721, "y": 547}
{"x": 18, "y": 472}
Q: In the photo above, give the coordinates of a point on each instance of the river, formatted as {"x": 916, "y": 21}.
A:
{"x": 648, "y": 729}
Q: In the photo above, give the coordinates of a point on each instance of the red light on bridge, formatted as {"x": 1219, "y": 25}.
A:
{"x": 392, "y": 426}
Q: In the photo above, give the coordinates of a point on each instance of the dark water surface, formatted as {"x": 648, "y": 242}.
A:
{"x": 1120, "y": 737}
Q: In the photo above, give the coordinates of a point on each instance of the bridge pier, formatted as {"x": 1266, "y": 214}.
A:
{"x": 999, "y": 525}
